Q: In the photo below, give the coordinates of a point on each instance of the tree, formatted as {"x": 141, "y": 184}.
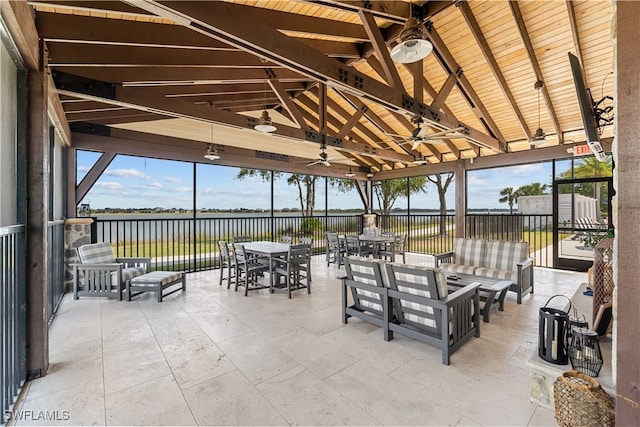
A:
{"x": 442, "y": 191}
{"x": 509, "y": 196}
{"x": 535, "y": 189}
{"x": 306, "y": 185}
{"x": 386, "y": 192}
{"x": 589, "y": 167}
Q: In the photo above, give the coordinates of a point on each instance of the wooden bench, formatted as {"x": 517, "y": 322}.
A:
{"x": 156, "y": 281}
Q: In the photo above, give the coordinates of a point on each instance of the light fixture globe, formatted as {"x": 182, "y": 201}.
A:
{"x": 264, "y": 124}
{"x": 212, "y": 154}
{"x": 350, "y": 174}
{"x": 412, "y": 46}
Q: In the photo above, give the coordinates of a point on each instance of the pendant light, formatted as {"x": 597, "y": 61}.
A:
{"x": 264, "y": 124}
{"x": 412, "y": 47}
{"x": 539, "y": 136}
{"x": 212, "y": 151}
{"x": 350, "y": 174}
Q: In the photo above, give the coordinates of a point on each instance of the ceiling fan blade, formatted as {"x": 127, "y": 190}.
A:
{"x": 315, "y": 163}
{"x": 416, "y": 144}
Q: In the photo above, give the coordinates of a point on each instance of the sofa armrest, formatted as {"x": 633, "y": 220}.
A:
{"x": 135, "y": 262}
{"x": 115, "y": 266}
{"x": 524, "y": 281}
{"x": 447, "y": 257}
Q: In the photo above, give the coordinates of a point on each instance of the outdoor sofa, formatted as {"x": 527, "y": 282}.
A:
{"x": 496, "y": 259}
{"x": 411, "y": 300}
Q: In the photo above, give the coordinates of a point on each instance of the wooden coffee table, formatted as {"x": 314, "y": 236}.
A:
{"x": 492, "y": 291}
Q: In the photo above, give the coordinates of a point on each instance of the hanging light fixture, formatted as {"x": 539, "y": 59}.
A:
{"x": 539, "y": 136}
{"x": 212, "y": 151}
{"x": 350, "y": 174}
{"x": 412, "y": 47}
{"x": 264, "y": 124}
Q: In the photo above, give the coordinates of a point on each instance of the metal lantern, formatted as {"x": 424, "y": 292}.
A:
{"x": 552, "y": 333}
{"x": 578, "y": 322}
{"x": 584, "y": 352}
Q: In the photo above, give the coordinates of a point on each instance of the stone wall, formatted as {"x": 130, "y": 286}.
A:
{"x": 77, "y": 232}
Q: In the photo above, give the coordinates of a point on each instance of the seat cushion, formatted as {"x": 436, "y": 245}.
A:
{"x": 155, "y": 277}
{"x": 470, "y": 252}
{"x": 495, "y": 273}
{"x": 458, "y": 268}
{"x": 96, "y": 253}
{"x": 503, "y": 255}
{"x": 369, "y": 269}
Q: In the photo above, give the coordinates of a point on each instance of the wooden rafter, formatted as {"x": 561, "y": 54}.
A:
{"x": 449, "y": 63}
{"x": 474, "y": 27}
{"x": 375, "y": 36}
{"x": 524, "y": 34}
{"x": 287, "y": 103}
{"x": 573, "y": 22}
{"x": 267, "y": 42}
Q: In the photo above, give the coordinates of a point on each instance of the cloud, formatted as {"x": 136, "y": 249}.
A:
{"x": 154, "y": 185}
{"x": 83, "y": 168}
{"x": 125, "y": 173}
{"x": 527, "y": 168}
{"x": 181, "y": 189}
{"x": 109, "y": 185}
{"x": 173, "y": 179}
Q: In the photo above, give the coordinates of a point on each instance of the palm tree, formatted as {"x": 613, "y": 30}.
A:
{"x": 509, "y": 196}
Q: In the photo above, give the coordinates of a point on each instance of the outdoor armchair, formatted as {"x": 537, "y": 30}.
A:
{"x": 100, "y": 273}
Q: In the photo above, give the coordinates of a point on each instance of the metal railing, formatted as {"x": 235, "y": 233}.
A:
{"x": 190, "y": 244}
{"x": 13, "y": 316}
{"x": 55, "y": 236}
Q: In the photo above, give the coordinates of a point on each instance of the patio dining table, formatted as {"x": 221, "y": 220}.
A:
{"x": 376, "y": 241}
{"x": 271, "y": 250}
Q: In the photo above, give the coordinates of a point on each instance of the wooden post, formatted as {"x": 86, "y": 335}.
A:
{"x": 626, "y": 215}
{"x": 461, "y": 198}
{"x": 37, "y": 219}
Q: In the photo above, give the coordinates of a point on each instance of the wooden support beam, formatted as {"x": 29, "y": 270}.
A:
{"x": 220, "y": 20}
{"x": 445, "y": 90}
{"x": 288, "y": 103}
{"x": 36, "y": 286}
{"x": 355, "y": 118}
{"x": 92, "y": 176}
{"x": 375, "y": 36}
{"x": 95, "y": 55}
{"x": 57, "y": 113}
{"x": 141, "y": 144}
{"x": 322, "y": 108}
{"x": 417, "y": 70}
{"x": 524, "y": 34}
{"x": 449, "y": 63}
{"x": 573, "y": 22}
{"x": 17, "y": 17}
{"x": 482, "y": 43}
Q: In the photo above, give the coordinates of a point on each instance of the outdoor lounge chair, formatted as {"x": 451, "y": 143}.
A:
{"x": 365, "y": 283}
{"x": 99, "y": 273}
{"x": 424, "y": 310}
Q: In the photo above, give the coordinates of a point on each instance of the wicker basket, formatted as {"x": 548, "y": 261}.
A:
{"x": 580, "y": 401}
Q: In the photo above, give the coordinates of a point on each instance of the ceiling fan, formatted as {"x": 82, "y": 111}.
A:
{"x": 420, "y": 135}
{"x": 323, "y": 158}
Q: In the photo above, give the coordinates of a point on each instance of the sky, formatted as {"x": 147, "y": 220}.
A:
{"x": 136, "y": 182}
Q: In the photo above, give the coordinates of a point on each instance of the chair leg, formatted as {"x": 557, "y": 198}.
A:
{"x": 221, "y": 274}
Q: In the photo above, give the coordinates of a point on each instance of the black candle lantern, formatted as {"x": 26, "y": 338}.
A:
{"x": 584, "y": 352}
{"x": 577, "y": 322}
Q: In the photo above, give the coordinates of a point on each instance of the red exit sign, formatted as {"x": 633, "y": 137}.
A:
{"x": 581, "y": 150}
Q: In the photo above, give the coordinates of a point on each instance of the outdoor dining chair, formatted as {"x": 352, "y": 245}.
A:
{"x": 335, "y": 249}
{"x": 294, "y": 269}
{"x": 286, "y": 239}
{"x": 227, "y": 262}
{"x": 397, "y": 247}
{"x": 248, "y": 269}
{"x": 356, "y": 247}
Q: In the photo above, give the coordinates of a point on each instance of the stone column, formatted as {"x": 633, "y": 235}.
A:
{"x": 77, "y": 232}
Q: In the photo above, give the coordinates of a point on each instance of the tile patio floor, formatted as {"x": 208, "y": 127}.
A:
{"x": 210, "y": 356}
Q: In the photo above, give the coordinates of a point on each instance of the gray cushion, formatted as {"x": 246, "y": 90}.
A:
{"x": 155, "y": 277}
{"x": 470, "y": 252}
{"x": 96, "y": 253}
{"x": 503, "y": 255}
{"x": 458, "y": 268}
